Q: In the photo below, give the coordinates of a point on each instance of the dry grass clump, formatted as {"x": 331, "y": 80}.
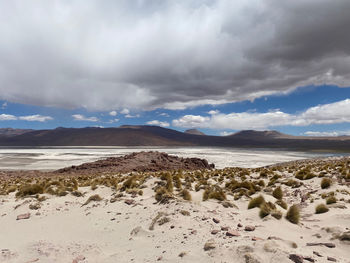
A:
{"x": 186, "y": 195}
{"x": 293, "y": 214}
{"x": 276, "y": 214}
{"x": 304, "y": 174}
{"x": 214, "y": 193}
{"x": 326, "y": 183}
{"x": 282, "y": 204}
{"x": 96, "y": 198}
{"x": 256, "y": 202}
{"x": 277, "y": 193}
{"x": 331, "y": 200}
{"x": 321, "y": 208}
{"x": 30, "y": 189}
{"x": 163, "y": 195}
{"x": 292, "y": 183}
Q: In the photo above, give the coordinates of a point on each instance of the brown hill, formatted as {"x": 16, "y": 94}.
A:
{"x": 157, "y": 136}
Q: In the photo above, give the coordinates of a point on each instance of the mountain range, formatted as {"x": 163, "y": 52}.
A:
{"x": 128, "y": 135}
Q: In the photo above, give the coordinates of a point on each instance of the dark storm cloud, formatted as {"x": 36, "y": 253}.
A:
{"x": 105, "y": 55}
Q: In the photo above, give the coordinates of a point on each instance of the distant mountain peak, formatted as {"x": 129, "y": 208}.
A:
{"x": 194, "y": 131}
{"x": 268, "y": 133}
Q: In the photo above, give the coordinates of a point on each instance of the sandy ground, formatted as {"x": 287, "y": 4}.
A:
{"x": 63, "y": 230}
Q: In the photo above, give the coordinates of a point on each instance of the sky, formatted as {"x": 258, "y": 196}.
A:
{"x": 216, "y": 65}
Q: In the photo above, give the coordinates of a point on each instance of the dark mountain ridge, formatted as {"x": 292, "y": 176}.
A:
{"x": 157, "y": 136}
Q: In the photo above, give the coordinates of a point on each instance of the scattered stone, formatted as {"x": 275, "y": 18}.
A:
{"x": 331, "y": 259}
{"x": 172, "y": 226}
{"x": 296, "y": 258}
{"x": 249, "y": 258}
{"x": 239, "y": 225}
{"x": 257, "y": 239}
{"x": 317, "y": 254}
{"x": 225, "y": 228}
{"x": 329, "y": 245}
{"x": 345, "y": 236}
{"x": 214, "y": 232}
{"x": 249, "y": 228}
{"x": 129, "y": 201}
{"x": 78, "y": 259}
{"x": 233, "y": 233}
{"x": 210, "y": 244}
{"x": 23, "y": 216}
{"x": 159, "y": 258}
{"x": 182, "y": 254}
{"x": 185, "y": 213}
{"x": 216, "y": 221}
{"x": 310, "y": 259}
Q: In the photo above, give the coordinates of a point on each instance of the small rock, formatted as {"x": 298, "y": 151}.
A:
{"x": 225, "y": 228}
{"x": 249, "y": 228}
{"x": 172, "y": 226}
{"x": 317, "y": 254}
{"x": 23, "y": 216}
{"x": 159, "y": 258}
{"x": 182, "y": 254}
{"x": 233, "y": 233}
{"x": 330, "y": 245}
{"x": 129, "y": 201}
{"x": 78, "y": 259}
{"x": 310, "y": 259}
{"x": 331, "y": 259}
{"x": 296, "y": 258}
{"x": 257, "y": 239}
{"x": 210, "y": 244}
{"x": 216, "y": 221}
{"x": 239, "y": 225}
{"x": 214, "y": 232}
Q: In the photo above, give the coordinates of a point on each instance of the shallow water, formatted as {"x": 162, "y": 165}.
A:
{"x": 51, "y": 158}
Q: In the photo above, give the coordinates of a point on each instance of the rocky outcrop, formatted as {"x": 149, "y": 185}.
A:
{"x": 140, "y": 162}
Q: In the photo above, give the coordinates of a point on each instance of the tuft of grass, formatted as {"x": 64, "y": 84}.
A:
{"x": 282, "y": 204}
{"x": 321, "y": 208}
{"x": 277, "y": 193}
{"x": 256, "y": 202}
{"x": 162, "y": 195}
{"x": 30, "y": 189}
{"x": 96, "y": 198}
{"x": 265, "y": 210}
{"x": 276, "y": 214}
{"x": 326, "y": 183}
{"x": 293, "y": 214}
{"x": 186, "y": 195}
{"x": 331, "y": 200}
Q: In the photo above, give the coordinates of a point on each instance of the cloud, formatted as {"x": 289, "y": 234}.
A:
{"x": 113, "y": 113}
{"x": 132, "y": 116}
{"x": 328, "y": 134}
{"x": 7, "y": 117}
{"x": 158, "y": 123}
{"x": 225, "y": 133}
{"x": 125, "y": 111}
{"x": 80, "y": 117}
{"x": 213, "y": 112}
{"x": 4, "y": 105}
{"x": 37, "y": 117}
{"x": 164, "y": 114}
{"x": 106, "y": 55}
{"x": 337, "y": 112}
{"x": 113, "y": 121}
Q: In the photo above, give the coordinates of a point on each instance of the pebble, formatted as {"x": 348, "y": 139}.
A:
{"x": 209, "y": 245}
{"x": 225, "y": 228}
{"x": 233, "y": 233}
{"x": 331, "y": 259}
{"x": 216, "y": 221}
{"x": 23, "y": 216}
{"x": 249, "y": 228}
{"x": 129, "y": 201}
{"x": 296, "y": 258}
{"x": 214, "y": 232}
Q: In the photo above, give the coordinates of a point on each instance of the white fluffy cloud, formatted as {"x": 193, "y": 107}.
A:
{"x": 37, "y": 117}
{"x": 106, "y": 55}
{"x": 159, "y": 123}
{"x": 338, "y": 112}
{"x": 80, "y": 117}
{"x": 113, "y": 113}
